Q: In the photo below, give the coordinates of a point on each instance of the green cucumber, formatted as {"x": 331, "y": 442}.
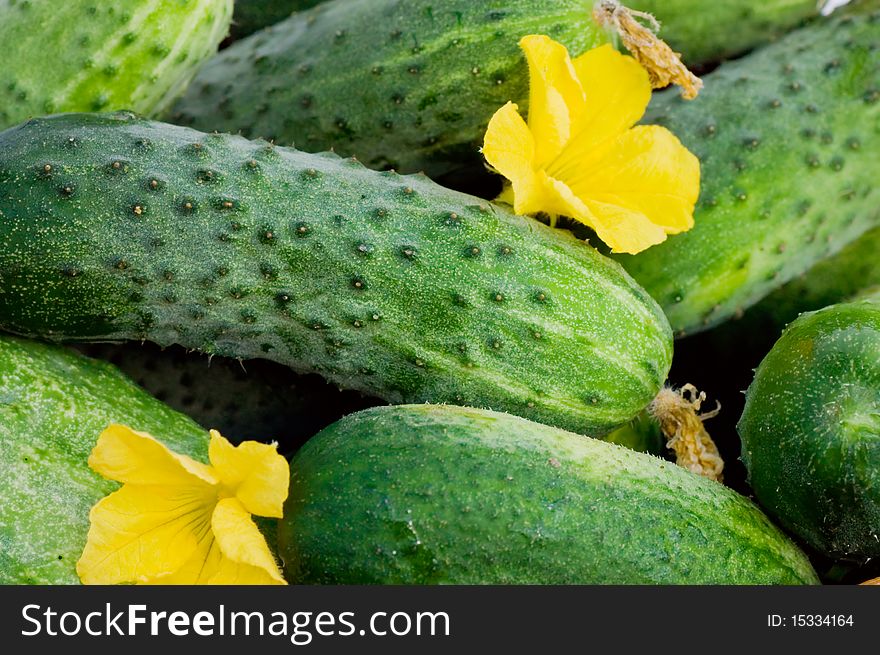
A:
{"x": 118, "y": 228}
{"x": 700, "y": 31}
{"x": 256, "y": 400}
{"x": 787, "y": 138}
{"x": 832, "y": 280}
{"x": 811, "y": 430}
{"x": 427, "y": 494}
{"x": 253, "y": 15}
{"x": 404, "y": 85}
{"x": 436, "y": 71}
{"x": 53, "y": 405}
{"x": 706, "y": 32}
{"x": 82, "y": 55}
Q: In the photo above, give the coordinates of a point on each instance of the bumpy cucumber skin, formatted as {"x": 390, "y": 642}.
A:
{"x": 85, "y": 55}
{"x": 705, "y": 32}
{"x": 787, "y": 138}
{"x": 404, "y": 85}
{"x": 431, "y": 495}
{"x": 53, "y": 405}
{"x": 253, "y": 15}
{"x": 811, "y": 430}
{"x": 386, "y": 284}
{"x": 256, "y": 400}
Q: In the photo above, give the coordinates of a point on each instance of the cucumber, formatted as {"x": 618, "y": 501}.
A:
{"x": 700, "y": 31}
{"x": 437, "y": 71}
{"x": 449, "y": 495}
{"x": 706, "y": 32}
{"x": 787, "y": 138}
{"x": 832, "y": 280}
{"x": 255, "y": 400}
{"x": 404, "y": 85}
{"x": 811, "y": 430}
{"x": 53, "y": 405}
{"x": 253, "y": 15}
{"x": 118, "y": 228}
{"x": 82, "y": 55}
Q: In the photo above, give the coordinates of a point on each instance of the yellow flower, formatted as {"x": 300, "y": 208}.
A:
{"x": 580, "y": 156}
{"x": 178, "y": 521}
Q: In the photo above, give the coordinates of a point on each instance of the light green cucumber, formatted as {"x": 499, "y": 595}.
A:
{"x": 448, "y": 495}
{"x": 811, "y": 430}
{"x": 118, "y": 228}
{"x": 257, "y": 400}
{"x": 83, "y": 55}
{"x": 835, "y": 279}
{"x": 404, "y": 85}
{"x": 787, "y": 139}
{"x": 53, "y": 405}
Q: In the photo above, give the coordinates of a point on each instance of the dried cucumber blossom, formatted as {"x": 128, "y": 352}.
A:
{"x": 682, "y": 425}
{"x": 663, "y": 65}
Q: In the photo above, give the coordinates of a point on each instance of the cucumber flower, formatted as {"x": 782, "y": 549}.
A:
{"x": 580, "y": 156}
{"x": 178, "y": 521}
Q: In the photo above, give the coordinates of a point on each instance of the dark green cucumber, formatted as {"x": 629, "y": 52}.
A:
{"x": 404, "y": 85}
{"x": 256, "y": 400}
{"x": 253, "y": 15}
{"x": 53, "y": 405}
{"x": 787, "y": 138}
{"x": 811, "y": 430}
{"x": 117, "y": 228}
{"x": 428, "y": 495}
{"x": 83, "y": 55}
{"x": 705, "y": 32}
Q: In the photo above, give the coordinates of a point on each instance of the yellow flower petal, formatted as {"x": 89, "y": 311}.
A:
{"x": 125, "y": 455}
{"x": 254, "y": 472}
{"x": 556, "y": 97}
{"x": 618, "y": 91}
{"x": 246, "y": 556}
{"x": 208, "y": 565}
{"x": 510, "y": 149}
{"x": 623, "y": 230}
{"x": 579, "y": 155}
{"x": 140, "y": 532}
{"x": 645, "y": 171}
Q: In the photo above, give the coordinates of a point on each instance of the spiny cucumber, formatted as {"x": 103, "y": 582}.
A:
{"x": 53, "y": 405}
{"x": 450, "y": 495}
{"x": 404, "y": 85}
{"x": 116, "y": 228}
{"x": 787, "y": 138}
{"x": 811, "y": 430}
{"x": 85, "y": 55}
